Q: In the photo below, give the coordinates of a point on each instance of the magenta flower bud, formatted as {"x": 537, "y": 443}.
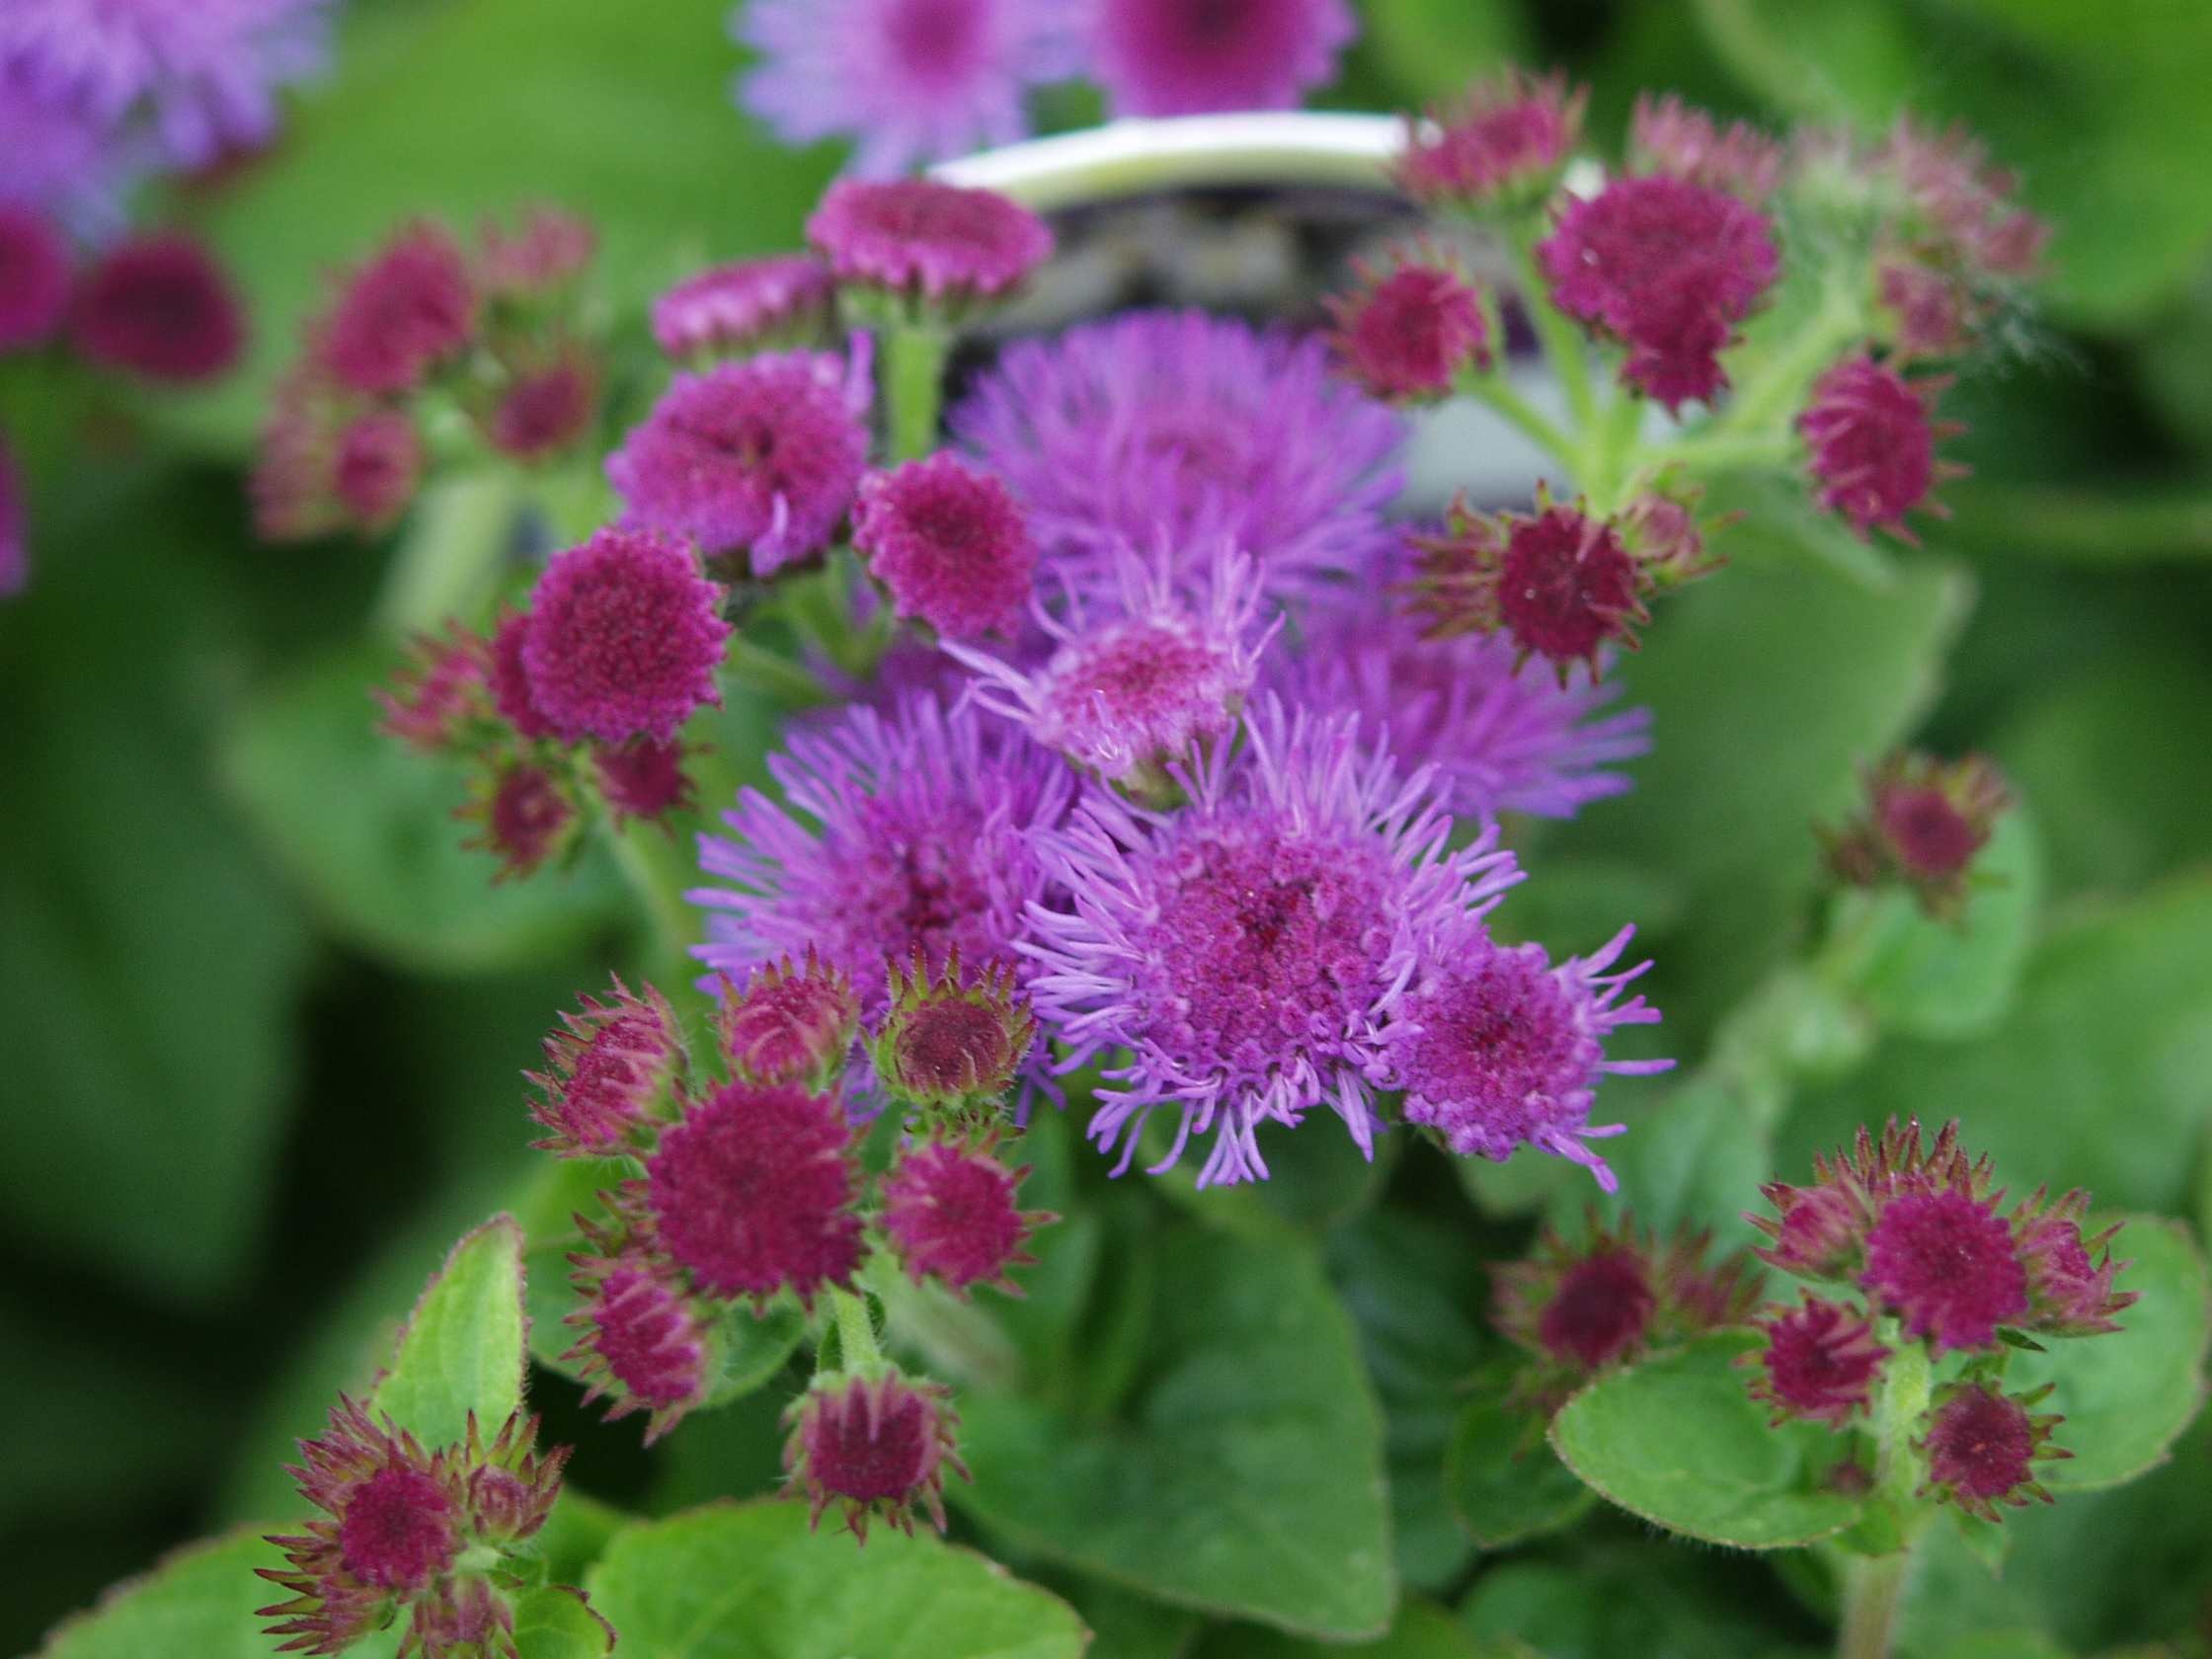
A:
{"x": 874, "y": 1448}
{"x": 643, "y": 778}
{"x": 1945, "y": 1263}
{"x": 1503, "y": 146}
{"x": 1820, "y": 1231}
{"x": 951, "y": 1044}
{"x": 159, "y": 306}
{"x": 1924, "y": 821}
{"x": 546, "y": 252}
{"x": 405, "y": 311}
{"x": 1667, "y": 135}
{"x": 523, "y": 816}
{"x": 753, "y": 305}
{"x": 949, "y": 544}
{"x": 612, "y": 1071}
{"x": 644, "y": 1343}
{"x": 624, "y": 639}
{"x": 1169, "y": 57}
{"x": 1562, "y": 586}
{"x": 506, "y": 1490}
{"x": 1405, "y": 335}
{"x": 950, "y": 1213}
{"x": 1871, "y": 444}
{"x": 752, "y": 1193}
{"x": 789, "y": 1026}
{"x": 2069, "y": 1279}
{"x": 1669, "y": 268}
{"x": 377, "y": 467}
{"x": 397, "y": 1529}
{"x": 1821, "y": 1362}
{"x": 926, "y": 242}
{"x": 35, "y": 277}
{"x": 545, "y": 408}
{"x": 1981, "y": 1447}
{"x": 511, "y": 680}
{"x": 1959, "y": 206}
{"x": 438, "y": 691}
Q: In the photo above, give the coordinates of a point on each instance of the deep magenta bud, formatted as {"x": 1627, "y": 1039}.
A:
{"x": 789, "y": 1026}
{"x": 950, "y": 1213}
{"x": 1945, "y": 1262}
{"x": 949, "y": 543}
{"x": 402, "y": 313}
{"x": 1407, "y": 334}
{"x": 376, "y": 468}
{"x": 755, "y": 305}
{"x": 396, "y": 1531}
{"x": 1924, "y": 823}
{"x": 1871, "y": 444}
{"x": 546, "y": 408}
{"x": 643, "y": 778}
{"x": 1981, "y": 1447}
{"x": 644, "y": 1343}
{"x": 1667, "y": 135}
{"x": 874, "y": 1448}
{"x": 611, "y": 1078}
{"x": 950, "y": 1043}
{"x": 1502, "y": 148}
{"x": 1821, "y": 1362}
{"x": 922, "y": 240}
{"x": 523, "y": 816}
{"x": 159, "y": 306}
{"x": 439, "y": 691}
{"x": 1562, "y": 586}
{"x": 2069, "y": 1278}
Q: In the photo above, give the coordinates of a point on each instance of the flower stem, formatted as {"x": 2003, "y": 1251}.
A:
{"x": 1874, "y": 1586}
{"x": 1874, "y": 1590}
{"x": 651, "y": 862}
{"x": 856, "y": 1333}
{"x": 914, "y": 356}
{"x": 451, "y": 562}
{"x": 1556, "y": 333}
{"x": 1779, "y": 386}
{"x": 1497, "y": 391}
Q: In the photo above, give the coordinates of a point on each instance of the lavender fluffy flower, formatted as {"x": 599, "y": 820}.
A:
{"x": 1177, "y": 57}
{"x": 1131, "y": 689}
{"x": 1504, "y": 734}
{"x": 1247, "y": 950}
{"x": 200, "y": 74}
{"x": 59, "y": 160}
{"x": 909, "y": 81}
{"x": 897, "y": 834}
{"x": 1201, "y": 427}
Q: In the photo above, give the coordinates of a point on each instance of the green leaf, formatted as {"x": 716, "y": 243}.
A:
{"x": 197, "y": 1604}
{"x": 2100, "y": 1077}
{"x": 1505, "y": 1483}
{"x": 1243, "y": 1478}
{"x": 741, "y": 1581}
{"x": 1678, "y": 1441}
{"x": 1421, "y": 1630}
{"x": 1650, "y": 1601}
{"x": 2129, "y": 1394}
{"x": 462, "y": 1351}
{"x": 365, "y": 827}
{"x": 1920, "y": 977}
{"x": 1123, "y": 1625}
{"x": 556, "y": 1622}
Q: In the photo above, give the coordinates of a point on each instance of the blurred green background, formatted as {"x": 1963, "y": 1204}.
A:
{"x": 261, "y": 1022}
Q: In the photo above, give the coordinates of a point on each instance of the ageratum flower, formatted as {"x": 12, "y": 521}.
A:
{"x": 1169, "y": 57}
{"x": 1503, "y": 146}
{"x": 895, "y": 832}
{"x": 1196, "y": 427}
{"x": 789, "y": 1025}
{"x": 1981, "y": 1447}
{"x": 1405, "y": 334}
{"x": 1497, "y": 1049}
{"x": 950, "y": 1214}
{"x": 60, "y": 159}
{"x": 401, "y": 313}
{"x": 909, "y": 81}
{"x": 34, "y": 278}
{"x": 159, "y": 306}
{"x": 873, "y": 1447}
{"x": 1562, "y": 585}
{"x": 948, "y": 544}
{"x": 1924, "y": 824}
{"x": 643, "y": 1341}
{"x": 611, "y": 1075}
{"x": 377, "y": 469}
{"x": 1871, "y": 444}
{"x": 1820, "y": 1363}
{"x": 950, "y": 1044}
{"x": 523, "y": 815}
{"x": 757, "y": 458}
{"x": 202, "y": 76}
{"x": 1944, "y": 1261}
{"x": 733, "y": 310}
{"x": 545, "y": 407}
{"x": 1128, "y": 691}
{"x": 1819, "y": 1231}
{"x": 1246, "y": 949}
{"x": 923, "y": 240}
{"x": 643, "y": 778}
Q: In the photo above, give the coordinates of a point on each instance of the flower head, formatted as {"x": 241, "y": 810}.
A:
{"x": 56, "y": 157}
{"x": 611, "y": 1071}
{"x": 1820, "y": 1363}
{"x": 158, "y": 306}
{"x": 1408, "y": 332}
{"x": 1562, "y": 586}
{"x": 1981, "y": 1447}
{"x": 545, "y": 408}
{"x": 752, "y": 1192}
{"x": 1667, "y": 266}
{"x": 1957, "y": 206}
{"x": 1820, "y": 1231}
{"x": 951, "y": 1044}
{"x": 1246, "y": 950}
{"x": 927, "y": 240}
{"x": 642, "y": 1343}
{"x": 2069, "y": 1278}
{"x": 643, "y": 778}
{"x": 789, "y": 1025}
{"x": 1871, "y": 444}
{"x": 34, "y": 277}
{"x": 511, "y": 680}
{"x": 1169, "y": 57}
{"x": 949, "y": 543}
{"x": 439, "y": 691}
{"x": 523, "y": 815}
{"x": 1129, "y": 693}
{"x": 1194, "y": 427}
{"x": 907, "y": 80}
{"x": 1924, "y": 822}
{"x": 1496, "y": 1049}
{"x": 752, "y": 305}
{"x": 910, "y": 831}
{"x": 624, "y": 639}
{"x": 758, "y": 458}
{"x": 1503, "y": 146}
{"x": 400, "y": 314}
{"x": 1667, "y": 136}
{"x": 874, "y": 1447}
{"x": 1945, "y": 1263}
{"x": 377, "y": 467}
{"x": 950, "y": 1213}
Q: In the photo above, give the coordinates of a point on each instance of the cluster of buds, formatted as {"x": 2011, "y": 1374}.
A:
{"x": 1923, "y": 1252}
{"x": 1924, "y": 824}
{"x": 1564, "y": 584}
{"x": 579, "y": 698}
{"x": 437, "y": 1539}
{"x": 426, "y": 328}
{"x": 1582, "y": 1306}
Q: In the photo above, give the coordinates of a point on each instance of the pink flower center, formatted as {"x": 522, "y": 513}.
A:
{"x": 1601, "y": 1309}
{"x": 1980, "y": 1444}
{"x": 1947, "y": 1263}
{"x": 869, "y": 1455}
{"x": 1564, "y": 585}
{"x": 397, "y": 1532}
{"x": 1931, "y": 836}
{"x": 1503, "y": 1034}
{"x": 947, "y": 1046}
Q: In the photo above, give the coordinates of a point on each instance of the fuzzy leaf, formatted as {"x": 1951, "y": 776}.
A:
{"x": 1678, "y": 1441}
{"x": 1651, "y": 1601}
{"x": 555, "y": 1622}
{"x": 2129, "y": 1394}
{"x": 462, "y": 1350}
{"x": 741, "y": 1581}
{"x": 1243, "y": 1478}
{"x": 1506, "y": 1485}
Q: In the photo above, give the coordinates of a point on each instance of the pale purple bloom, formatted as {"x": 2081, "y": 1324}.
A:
{"x": 893, "y": 834}
{"x": 1135, "y": 685}
{"x": 1504, "y": 733}
{"x": 909, "y": 81}
{"x": 1201, "y": 427}
{"x": 59, "y": 160}
{"x": 1182, "y": 58}
{"x": 1497, "y": 1049}
{"x": 201, "y": 75}
{"x": 1247, "y": 950}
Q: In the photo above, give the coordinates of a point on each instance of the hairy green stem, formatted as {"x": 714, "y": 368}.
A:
{"x": 959, "y": 1340}
{"x": 448, "y": 564}
{"x": 1874, "y": 1590}
{"x": 1605, "y": 469}
{"x": 856, "y": 1332}
{"x": 1558, "y": 332}
{"x": 914, "y": 356}
{"x": 1874, "y": 1586}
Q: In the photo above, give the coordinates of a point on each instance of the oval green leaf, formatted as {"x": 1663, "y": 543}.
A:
{"x": 462, "y": 1350}
{"x": 1506, "y": 1485}
{"x": 557, "y": 1623}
